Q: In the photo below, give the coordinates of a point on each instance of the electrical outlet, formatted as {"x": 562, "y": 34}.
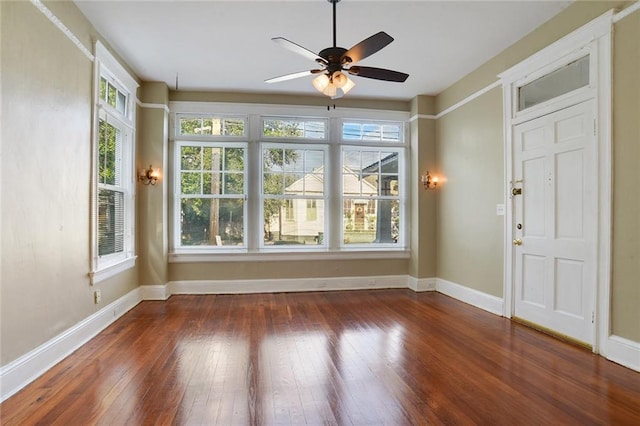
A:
{"x": 500, "y": 209}
{"x": 97, "y": 297}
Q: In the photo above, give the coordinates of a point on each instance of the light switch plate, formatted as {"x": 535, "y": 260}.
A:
{"x": 500, "y": 209}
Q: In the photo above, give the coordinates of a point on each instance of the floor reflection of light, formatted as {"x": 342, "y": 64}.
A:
{"x": 374, "y": 344}
{"x": 212, "y": 371}
{"x": 298, "y": 376}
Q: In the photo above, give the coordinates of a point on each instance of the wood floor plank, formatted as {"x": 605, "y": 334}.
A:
{"x": 387, "y": 357}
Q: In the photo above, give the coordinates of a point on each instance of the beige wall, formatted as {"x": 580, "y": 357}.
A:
{"x": 423, "y": 220}
{"x": 625, "y": 303}
{"x": 292, "y": 269}
{"x": 257, "y": 98}
{"x": 469, "y": 148}
{"x": 469, "y": 234}
{"x": 46, "y": 158}
{"x": 152, "y": 200}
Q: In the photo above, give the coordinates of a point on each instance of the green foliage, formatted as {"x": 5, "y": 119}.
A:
{"x": 275, "y": 181}
{"x": 282, "y": 128}
{"x": 108, "y": 136}
{"x": 211, "y": 171}
{"x": 212, "y": 126}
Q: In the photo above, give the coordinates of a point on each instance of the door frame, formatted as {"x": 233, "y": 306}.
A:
{"x": 594, "y": 39}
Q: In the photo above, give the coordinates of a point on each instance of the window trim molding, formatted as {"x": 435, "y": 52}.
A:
{"x": 332, "y": 249}
{"x": 177, "y": 196}
{"x": 102, "y": 268}
{"x": 287, "y": 255}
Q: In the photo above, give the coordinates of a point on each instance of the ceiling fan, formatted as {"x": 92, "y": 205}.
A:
{"x": 334, "y": 60}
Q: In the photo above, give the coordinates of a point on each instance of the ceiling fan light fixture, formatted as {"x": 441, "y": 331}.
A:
{"x": 348, "y": 85}
{"x": 339, "y": 79}
{"x": 336, "y": 61}
{"x": 331, "y": 90}
{"x": 321, "y": 82}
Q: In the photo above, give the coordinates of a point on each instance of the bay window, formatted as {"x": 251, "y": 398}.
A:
{"x": 250, "y": 181}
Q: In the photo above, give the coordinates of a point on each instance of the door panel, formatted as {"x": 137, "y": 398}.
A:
{"x": 569, "y": 287}
{"x": 555, "y": 270}
{"x": 570, "y": 194}
{"x": 533, "y": 281}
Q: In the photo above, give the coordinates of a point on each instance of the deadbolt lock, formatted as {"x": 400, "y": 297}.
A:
{"x": 516, "y": 191}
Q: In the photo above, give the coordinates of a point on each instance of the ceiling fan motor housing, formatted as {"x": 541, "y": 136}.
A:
{"x": 333, "y": 56}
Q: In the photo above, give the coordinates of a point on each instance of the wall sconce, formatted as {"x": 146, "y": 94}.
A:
{"x": 428, "y": 181}
{"x": 149, "y": 176}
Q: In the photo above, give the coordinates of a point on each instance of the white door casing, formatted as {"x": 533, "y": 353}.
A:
{"x": 594, "y": 39}
{"x": 556, "y": 221}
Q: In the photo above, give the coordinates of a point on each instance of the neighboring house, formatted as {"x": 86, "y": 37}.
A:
{"x": 303, "y": 218}
{"x": 363, "y": 218}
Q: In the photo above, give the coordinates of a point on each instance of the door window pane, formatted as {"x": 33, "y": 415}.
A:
{"x": 564, "y": 80}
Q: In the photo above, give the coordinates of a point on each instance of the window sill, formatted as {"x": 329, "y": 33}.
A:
{"x": 114, "y": 269}
{"x": 287, "y": 256}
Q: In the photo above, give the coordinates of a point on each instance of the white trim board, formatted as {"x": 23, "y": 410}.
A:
{"x": 22, "y": 371}
{"x": 62, "y": 27}
{"x": 626, "y": 12}
{"x": 484, "y": 301}
{"x": 421, "y": 284}
{"x": 624, "y": 352}
{"x": 152, "y": 106}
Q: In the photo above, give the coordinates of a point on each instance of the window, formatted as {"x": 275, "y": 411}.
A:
{"x": 571, "y": 77}
{"x": 113, "y": 188}
{"x": 214, "y": 126}
{"x": 364, "y": 131}
{"x": 371, "y": 196}
{"x": 211, "y": 191}
{"x": 292, "y": 181}
{"x": 293, "y": 128}
{"x": 256, "y": 179}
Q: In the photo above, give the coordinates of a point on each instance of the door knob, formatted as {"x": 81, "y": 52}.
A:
{"x": 517, "y": 242}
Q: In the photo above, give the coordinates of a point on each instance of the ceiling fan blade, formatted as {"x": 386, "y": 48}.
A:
{"x": 292, "y": 76}
{"x": 379, "y": 74}
{"x": 368, "y": 46}
{"x": 296, "y": 48}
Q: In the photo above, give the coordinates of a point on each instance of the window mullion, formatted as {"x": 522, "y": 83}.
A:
{"x": 333, "y": 221}
{"x": 254, "y": 198}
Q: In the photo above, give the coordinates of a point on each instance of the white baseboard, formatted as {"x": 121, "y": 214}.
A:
{"x": 155, "y": 292}
{"x": 476, "y": 298}
{"x": 624, "y": 352}
{"x": 422, "y": 284}
{"x": 287, "y": 285}
{"x": 17, "y": 374}
{"x": 22, "y": 371}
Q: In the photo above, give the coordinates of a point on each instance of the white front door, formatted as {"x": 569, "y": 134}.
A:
{"x": 555, "y": 221}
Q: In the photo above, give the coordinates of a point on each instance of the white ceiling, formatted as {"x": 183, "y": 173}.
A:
{"x": 226, "y": 45}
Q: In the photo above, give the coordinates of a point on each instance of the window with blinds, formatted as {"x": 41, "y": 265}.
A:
{"x": 113, "y": 179}
{"x": 111, "y": 193}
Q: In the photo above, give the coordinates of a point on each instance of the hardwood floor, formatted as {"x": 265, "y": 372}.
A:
{"x": 384, "y": 357}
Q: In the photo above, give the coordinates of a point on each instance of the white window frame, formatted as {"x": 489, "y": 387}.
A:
{"x": 301, "y": 144}
{"x": 255, "y": 114}
{"x": 401, "y": 197}
{"x": 215, "y": 141}
{"x": 105, "y": 65}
